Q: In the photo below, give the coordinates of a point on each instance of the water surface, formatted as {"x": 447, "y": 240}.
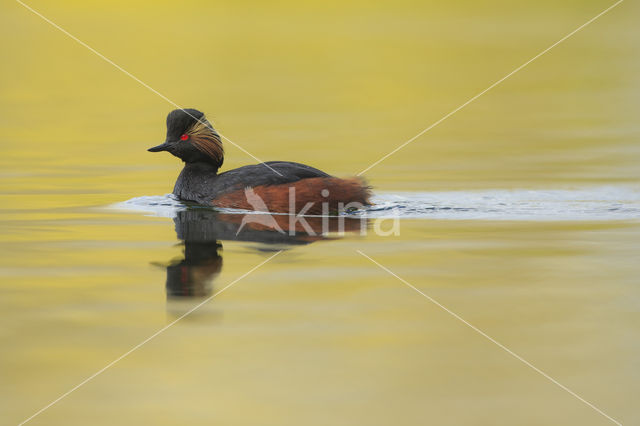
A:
{"x": 519, "y": 213}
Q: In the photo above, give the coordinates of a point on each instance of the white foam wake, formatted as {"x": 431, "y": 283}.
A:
{"x": 585, "y": 204}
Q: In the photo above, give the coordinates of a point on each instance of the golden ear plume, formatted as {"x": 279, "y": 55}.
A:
{"x": 206, "y": 140}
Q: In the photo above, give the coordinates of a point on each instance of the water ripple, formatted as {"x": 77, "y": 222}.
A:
{"x": 598, "y": 203}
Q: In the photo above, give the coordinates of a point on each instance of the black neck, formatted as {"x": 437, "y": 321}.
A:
{"x": 201, "y": 167}
{"x": 194, "y": 180}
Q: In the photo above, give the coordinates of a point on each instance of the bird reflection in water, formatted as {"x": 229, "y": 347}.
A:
{"x": 201, "y": 231}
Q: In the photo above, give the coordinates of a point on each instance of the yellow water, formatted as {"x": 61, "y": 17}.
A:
{"x": 319, "y": 335}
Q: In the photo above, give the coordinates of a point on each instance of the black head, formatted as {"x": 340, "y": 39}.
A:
{"x": 192, "y": 138}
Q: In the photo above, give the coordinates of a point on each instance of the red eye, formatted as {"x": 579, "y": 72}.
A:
{"x": 184, "y": 137}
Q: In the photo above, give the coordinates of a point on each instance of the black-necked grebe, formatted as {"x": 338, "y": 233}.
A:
{"x": 295, "y": 188}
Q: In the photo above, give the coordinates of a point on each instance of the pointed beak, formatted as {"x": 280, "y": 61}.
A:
{"x": 161, "y": 147}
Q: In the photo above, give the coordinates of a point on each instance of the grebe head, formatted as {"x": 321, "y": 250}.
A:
{"x": 192, "y": 138}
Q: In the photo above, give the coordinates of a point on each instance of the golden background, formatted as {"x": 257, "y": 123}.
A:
{"x": 320, "y": 335}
